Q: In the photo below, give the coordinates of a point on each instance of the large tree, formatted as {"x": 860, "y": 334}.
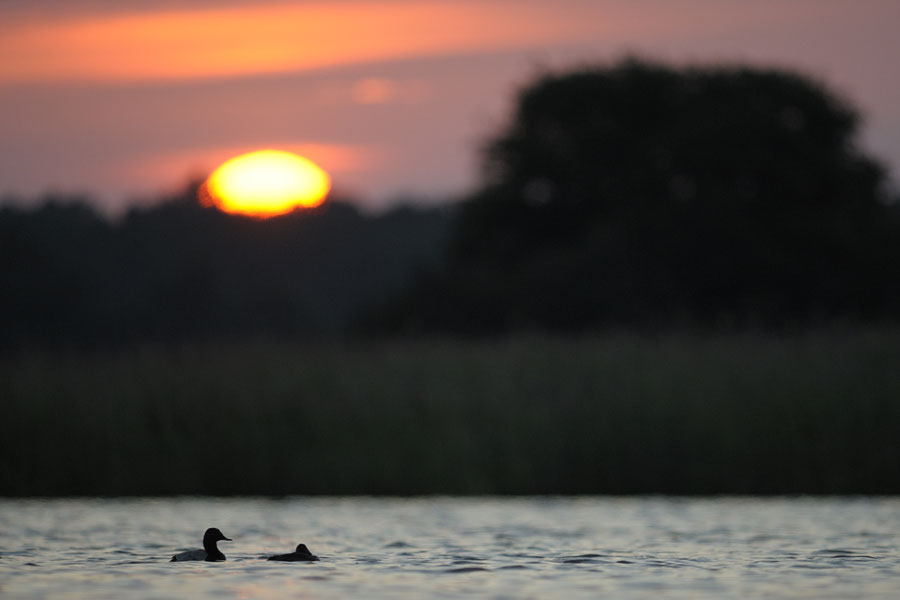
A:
{"x": 646, "y": 194}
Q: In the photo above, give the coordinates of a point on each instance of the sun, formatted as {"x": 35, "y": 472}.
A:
{"x": 266, "y": 183}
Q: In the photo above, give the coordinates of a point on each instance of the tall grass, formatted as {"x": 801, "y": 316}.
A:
{"x": 806, "y": 413}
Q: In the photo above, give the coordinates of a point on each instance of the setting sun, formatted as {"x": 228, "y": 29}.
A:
{"x": 266, "y": 184}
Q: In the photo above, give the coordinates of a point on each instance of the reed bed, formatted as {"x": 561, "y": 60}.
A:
{"x": 814, "y": 412}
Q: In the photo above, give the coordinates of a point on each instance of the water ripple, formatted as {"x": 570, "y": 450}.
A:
{"x": 386, "y": 548}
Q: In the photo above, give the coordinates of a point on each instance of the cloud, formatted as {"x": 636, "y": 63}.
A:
{"x": 268, "y": 38}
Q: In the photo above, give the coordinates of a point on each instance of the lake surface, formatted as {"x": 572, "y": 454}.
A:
{"x": 455, "y": 547}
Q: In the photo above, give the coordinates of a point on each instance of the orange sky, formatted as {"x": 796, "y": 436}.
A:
{"x": 132, "y": 97}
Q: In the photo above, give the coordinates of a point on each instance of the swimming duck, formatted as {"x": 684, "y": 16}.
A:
{"x": 210, "y": 551}
{"x": 301, "y": 553}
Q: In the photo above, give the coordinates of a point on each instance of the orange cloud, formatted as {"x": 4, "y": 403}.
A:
{"x": 247, "y": 39}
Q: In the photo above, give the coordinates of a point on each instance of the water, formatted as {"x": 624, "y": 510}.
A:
{"x": 453, "y": 547}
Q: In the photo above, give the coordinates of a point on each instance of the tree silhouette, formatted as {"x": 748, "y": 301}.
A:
{"x": 642, "y": 194}
{"x": 178, "y": 271}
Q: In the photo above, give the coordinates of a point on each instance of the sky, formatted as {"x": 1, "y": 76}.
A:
{"x": 126, "y": 100}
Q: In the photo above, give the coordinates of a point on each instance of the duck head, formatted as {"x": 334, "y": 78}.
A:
{"x": 212, "y": 536}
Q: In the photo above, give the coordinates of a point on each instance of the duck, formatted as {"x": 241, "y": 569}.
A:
{"x": 302, "y": 553}
{"x": 209, "y": 553}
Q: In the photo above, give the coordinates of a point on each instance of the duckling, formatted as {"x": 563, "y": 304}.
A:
{"x": 302, "y": 553}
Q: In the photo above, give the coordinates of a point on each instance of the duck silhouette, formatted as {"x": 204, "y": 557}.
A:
{"x": 210, "y": 551}
{"x": 302, "y": 553}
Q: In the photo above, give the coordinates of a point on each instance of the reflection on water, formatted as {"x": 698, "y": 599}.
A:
{"x": 530, "y": 547}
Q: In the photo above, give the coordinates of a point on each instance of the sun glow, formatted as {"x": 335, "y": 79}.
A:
{"x": 266, "y": 183}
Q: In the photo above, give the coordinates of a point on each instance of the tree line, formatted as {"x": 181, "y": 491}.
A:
{"x": 178, "y": 271}
{"x": 633, "y": 195}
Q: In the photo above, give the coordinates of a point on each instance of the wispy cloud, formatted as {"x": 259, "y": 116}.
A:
{"x": 268, "y": 38}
